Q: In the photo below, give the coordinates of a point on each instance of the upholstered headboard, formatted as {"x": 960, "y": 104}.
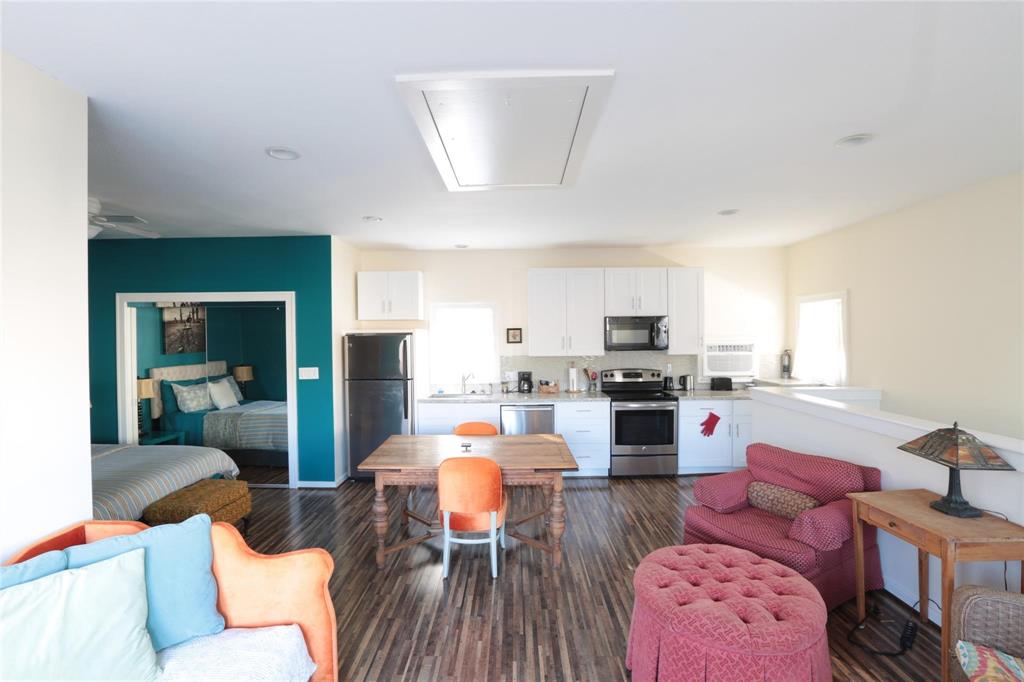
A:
{"x": 181, "y": 373}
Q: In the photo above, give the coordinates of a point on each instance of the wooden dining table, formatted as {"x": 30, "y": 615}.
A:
{"x": 408, "y": 462}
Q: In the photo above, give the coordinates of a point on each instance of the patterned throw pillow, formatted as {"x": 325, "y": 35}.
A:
{"x": 985, "y": 664}
{"x": 777, "y": 500}
{"x": 192, "y": 398}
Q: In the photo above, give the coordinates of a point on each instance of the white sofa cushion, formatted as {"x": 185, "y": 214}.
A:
{"x": 277, "y": 653}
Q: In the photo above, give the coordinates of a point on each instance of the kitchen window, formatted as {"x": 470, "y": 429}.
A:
{"x": 462, "y": 342}
{"x": 821, "y": 339}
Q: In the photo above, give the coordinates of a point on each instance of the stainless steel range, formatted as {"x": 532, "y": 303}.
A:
{"x": 644, "y": 423}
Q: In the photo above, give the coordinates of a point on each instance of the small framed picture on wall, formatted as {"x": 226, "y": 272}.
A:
{"x": 514, "y": 335}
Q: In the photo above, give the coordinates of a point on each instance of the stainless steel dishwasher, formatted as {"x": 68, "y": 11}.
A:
{"x": 517, "y": 420}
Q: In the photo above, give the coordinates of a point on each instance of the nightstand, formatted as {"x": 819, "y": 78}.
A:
{"x": 162, "y": 438}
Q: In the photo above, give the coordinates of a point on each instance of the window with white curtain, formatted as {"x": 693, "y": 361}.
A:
{"x": 461, "y": 343}
{"x": 821, "y": 339}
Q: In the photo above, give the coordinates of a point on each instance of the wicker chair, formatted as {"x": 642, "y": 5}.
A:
{"x": 989, "y": 617}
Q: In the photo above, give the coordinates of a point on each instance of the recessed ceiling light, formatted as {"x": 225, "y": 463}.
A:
{"x": 855, "y": 140}
{"x": 462, "y": 246}
{"x": 282, "y": 153}
{"x": 372, "y": 219}
{"x": 729, "y": 211}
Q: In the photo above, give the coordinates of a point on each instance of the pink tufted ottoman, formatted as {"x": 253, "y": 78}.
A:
{"x": 714, "y": 612}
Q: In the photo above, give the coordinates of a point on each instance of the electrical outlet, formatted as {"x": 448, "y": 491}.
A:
{"x": 307, "y": 373}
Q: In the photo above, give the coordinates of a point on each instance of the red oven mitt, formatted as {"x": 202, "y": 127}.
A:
{"x": 709, "y": 424}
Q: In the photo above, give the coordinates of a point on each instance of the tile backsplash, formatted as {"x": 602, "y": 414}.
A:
{"x": 557, "y": 369}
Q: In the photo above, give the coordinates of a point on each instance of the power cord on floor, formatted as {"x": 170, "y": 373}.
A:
{"x": 907, "y": 636}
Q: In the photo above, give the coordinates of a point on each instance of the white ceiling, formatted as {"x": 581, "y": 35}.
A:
{"x": 713, "y": 106}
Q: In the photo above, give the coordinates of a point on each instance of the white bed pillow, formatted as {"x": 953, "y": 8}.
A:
{"x": 194, "y": 398}
{"x": 83, "y": 623}
{"x": 222, "y": 395}
{"x": 234, "y": 387}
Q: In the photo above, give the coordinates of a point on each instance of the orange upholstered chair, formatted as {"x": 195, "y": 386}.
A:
{"x": 470, "y": 499}
{"x": 476, "y": 429}
{"x": 253, "y": 590}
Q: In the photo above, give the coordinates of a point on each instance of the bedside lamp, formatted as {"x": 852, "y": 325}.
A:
{"x": 145, "y": 390}
{"x": 242, "y": 374}
{"x": 957, "y": 450}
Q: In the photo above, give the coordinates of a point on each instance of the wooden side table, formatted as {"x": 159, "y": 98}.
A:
{"x": 906, "y": 514}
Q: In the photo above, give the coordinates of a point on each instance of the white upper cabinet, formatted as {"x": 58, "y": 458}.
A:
{"x": 389, "y": 295}
{"x": 652, "y": 291}
{"x": 619, "y": 292}
{"x": 635, "y": 291}
{"x": 584, "y": 311}
{"x": 545, "y": 312}
{"x": 564, "y": 311}
{"x": 685, "y": 310}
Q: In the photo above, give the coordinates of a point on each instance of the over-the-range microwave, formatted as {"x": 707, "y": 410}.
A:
{"x": 636, "y": 333}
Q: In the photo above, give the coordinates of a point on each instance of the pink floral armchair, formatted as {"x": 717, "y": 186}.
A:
{"x": 818, "y": 543}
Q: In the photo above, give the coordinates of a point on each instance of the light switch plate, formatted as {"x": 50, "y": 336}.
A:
{"x": 309, "y": 373}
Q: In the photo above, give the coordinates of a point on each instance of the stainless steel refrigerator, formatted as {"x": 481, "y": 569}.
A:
{"x": 378, "y": 392}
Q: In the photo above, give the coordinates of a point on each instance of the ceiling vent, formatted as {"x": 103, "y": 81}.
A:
{"x": 506, "y": 129}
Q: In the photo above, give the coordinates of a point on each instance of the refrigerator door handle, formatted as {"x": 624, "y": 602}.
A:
{"x": 403, "y": 358}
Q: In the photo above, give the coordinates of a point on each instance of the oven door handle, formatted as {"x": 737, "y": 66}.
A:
{"x": 656, "y": 406}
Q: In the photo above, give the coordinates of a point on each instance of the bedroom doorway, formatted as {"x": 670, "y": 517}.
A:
{"x": 213, "y": 369}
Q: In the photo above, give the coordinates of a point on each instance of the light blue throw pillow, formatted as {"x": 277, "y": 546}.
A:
{"x": 83, "y": 624}
{"x": 179, "y": 577}
{"x": 37, "y": 567}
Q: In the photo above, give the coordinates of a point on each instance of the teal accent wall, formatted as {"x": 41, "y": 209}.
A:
{"x": 299, "y": 264}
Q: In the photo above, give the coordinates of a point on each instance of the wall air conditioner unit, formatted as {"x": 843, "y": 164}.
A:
{"x": 729, "y": 358}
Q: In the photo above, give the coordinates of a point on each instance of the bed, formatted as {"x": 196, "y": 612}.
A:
{"x": 252, "y": 425}
{"x": 128, "y": 478}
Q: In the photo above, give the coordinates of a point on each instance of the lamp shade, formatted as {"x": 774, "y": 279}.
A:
{"x": 146, "y": 389}
{"x": 955, "y": 449}
{"x": 242, "y": 373}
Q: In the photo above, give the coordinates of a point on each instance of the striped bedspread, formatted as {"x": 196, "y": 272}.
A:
{"x": 259, "y": 425}
{"x": 128, "y": 478}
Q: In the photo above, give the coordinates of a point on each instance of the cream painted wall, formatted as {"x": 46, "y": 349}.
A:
{"x": 44, "y": 333}
{"x": 344, "y": 264}
{"x": 935, "y": 304}
{"x": 744, "y": 288}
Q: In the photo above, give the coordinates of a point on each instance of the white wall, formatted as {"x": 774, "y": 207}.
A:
{"x": 44, "y": 334}
{"x": 870, "y": 438}
{"x": 744, "y": 288}
{"x": 936, "y": 304}
{"x": 343, "y": 318}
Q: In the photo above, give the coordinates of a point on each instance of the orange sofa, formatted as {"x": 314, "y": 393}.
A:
{"x": 253, "y": 590}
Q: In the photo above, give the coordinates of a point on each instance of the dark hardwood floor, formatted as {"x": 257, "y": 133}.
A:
{"x": 533, "y": 622}
{"x": 263, "y": 475}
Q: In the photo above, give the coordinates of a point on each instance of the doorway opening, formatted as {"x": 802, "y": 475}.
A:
{"x": 212, "y": 369}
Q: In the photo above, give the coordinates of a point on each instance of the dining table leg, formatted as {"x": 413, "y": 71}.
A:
{"x": 380, "y": 517}
{"x": 557, "y": 520}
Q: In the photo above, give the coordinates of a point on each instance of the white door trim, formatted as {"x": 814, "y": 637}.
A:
{"x": 127, "y": 362}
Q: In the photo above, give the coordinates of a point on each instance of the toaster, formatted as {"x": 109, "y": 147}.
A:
{"x": 721, "y": 383}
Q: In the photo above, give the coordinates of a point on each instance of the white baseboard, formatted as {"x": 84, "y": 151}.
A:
{"x": 909, "y": 597}
{"x": 586, "y": 473}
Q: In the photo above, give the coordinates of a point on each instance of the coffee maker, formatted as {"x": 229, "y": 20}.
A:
{"x": 526, "y": 382}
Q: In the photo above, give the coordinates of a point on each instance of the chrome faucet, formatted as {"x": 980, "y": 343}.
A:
{"x": 465, "y": 378}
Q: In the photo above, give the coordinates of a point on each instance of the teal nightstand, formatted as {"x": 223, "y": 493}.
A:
{"x": 162, "y": 438}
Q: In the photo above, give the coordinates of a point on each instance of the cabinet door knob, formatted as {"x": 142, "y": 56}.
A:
{"x": 892, "y": 524}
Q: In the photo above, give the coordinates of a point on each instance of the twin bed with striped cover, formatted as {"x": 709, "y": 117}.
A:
{"x": 128, "y": 478}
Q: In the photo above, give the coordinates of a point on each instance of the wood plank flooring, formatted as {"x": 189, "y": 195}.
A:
{"x": 263, "y": 475}
{"x": 533, "y": 622}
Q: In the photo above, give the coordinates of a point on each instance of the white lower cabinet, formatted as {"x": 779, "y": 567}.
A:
{"x": 442, "y": 418}
{"x": 713, "y": 434}
{"x": 742, "y": 432}
{"x": 586, "y": 428}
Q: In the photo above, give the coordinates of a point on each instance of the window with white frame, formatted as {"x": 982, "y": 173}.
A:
{"x": 821, "y": 339}
{"x": 462, "y": 343}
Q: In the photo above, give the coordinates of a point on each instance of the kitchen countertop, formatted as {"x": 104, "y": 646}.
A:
{"x": 705, "y": 394}
{"x": 510, "y": 398}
